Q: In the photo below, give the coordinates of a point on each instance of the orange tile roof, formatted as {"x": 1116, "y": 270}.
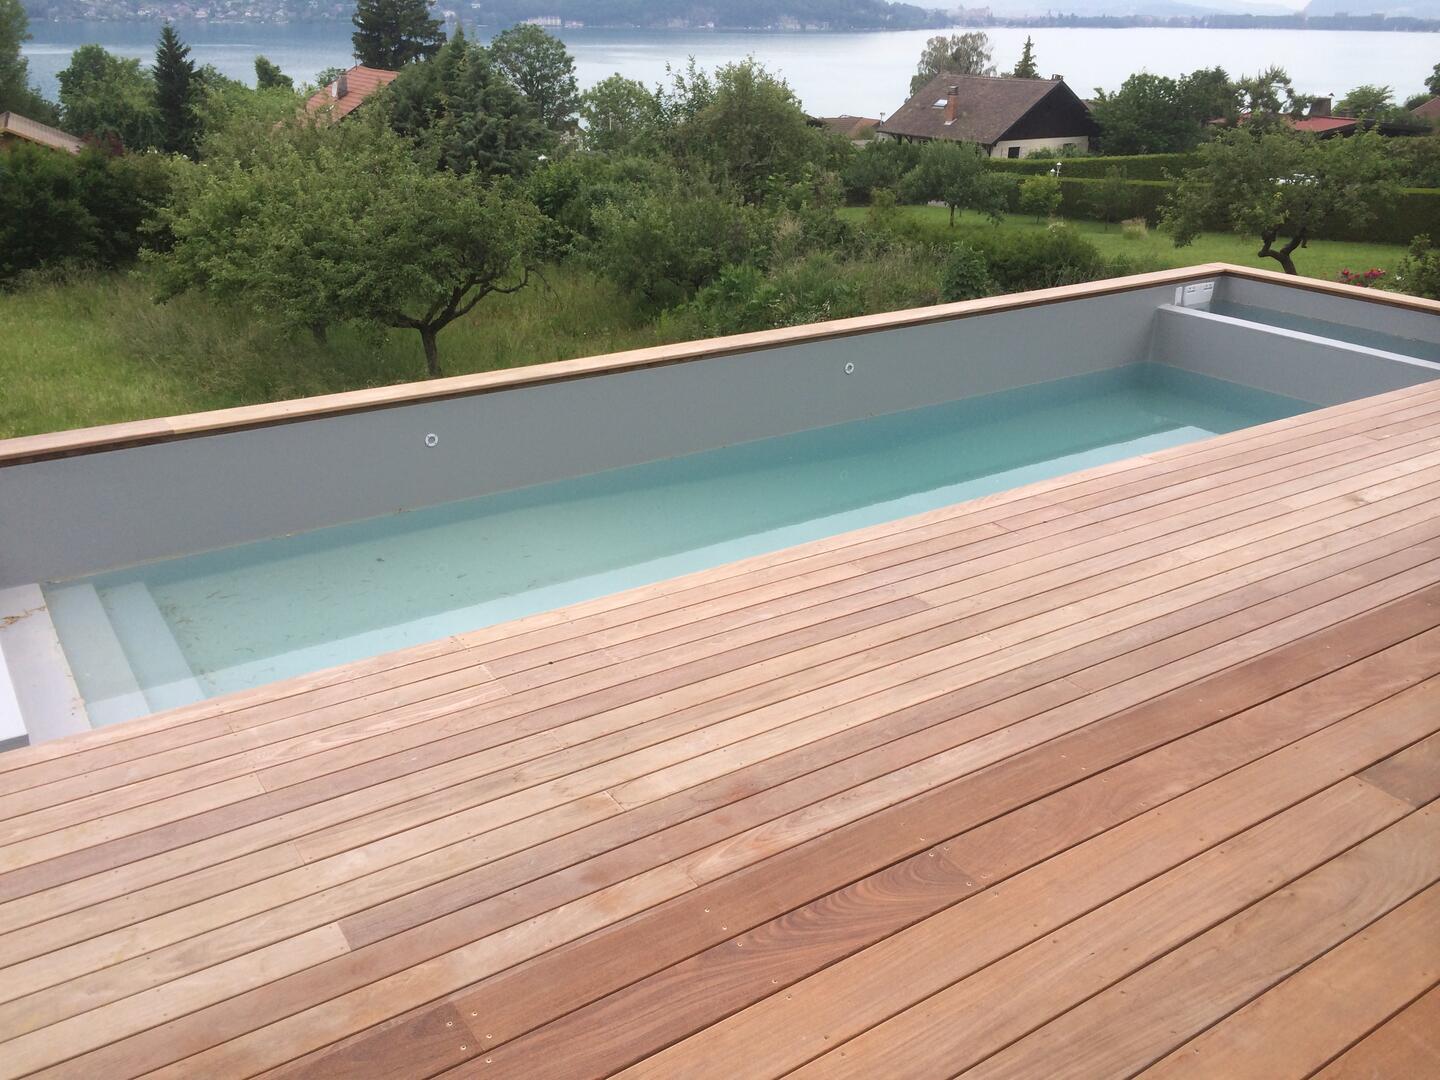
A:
{"x": 360, "y": 82}
{"x": 22, "y": 127}
{"x": 1321, "y": 124}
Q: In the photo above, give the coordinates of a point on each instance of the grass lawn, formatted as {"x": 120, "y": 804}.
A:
{"x": 98, "y": 350}
{"x": 1322, "y": 258}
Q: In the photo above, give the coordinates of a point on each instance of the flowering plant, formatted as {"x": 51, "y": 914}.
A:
{"x": 1364, "y": 281}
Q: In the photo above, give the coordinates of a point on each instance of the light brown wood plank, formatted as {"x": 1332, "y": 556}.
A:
{"x": 1343, "y": 996}
{"x": 1406, "y": 1045}
{"x": 1189, "y": 989}
{"x": 849, "y": 999}
{"x": 1373, "y": 877}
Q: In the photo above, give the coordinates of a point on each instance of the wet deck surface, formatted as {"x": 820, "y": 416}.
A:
{"x": 1129, "y": 770}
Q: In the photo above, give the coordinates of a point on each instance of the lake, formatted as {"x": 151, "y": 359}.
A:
{"x": 863, "y": 74}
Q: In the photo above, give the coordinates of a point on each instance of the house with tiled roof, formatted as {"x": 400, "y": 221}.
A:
{"x": 1006, "y": 117}
{"x": 1320, "y": 122}
{"x": 348, "y": 92}
{"x": 15, "y": 128}
{"x": 854, "y": 128}
{"x": 1429, "y": 112}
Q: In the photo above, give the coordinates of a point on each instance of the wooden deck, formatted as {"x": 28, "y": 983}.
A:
{"x": 1129, "y": 771}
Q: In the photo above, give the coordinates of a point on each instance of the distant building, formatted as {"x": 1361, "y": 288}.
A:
{"x": 1320, "y": 122}
{"x": 15, "y": 128}
{"x": 1006, "y": 117}
{"x": 348, "y": 92}
{"x": 1429, "y": 112}
{"x": 854, "y": 128}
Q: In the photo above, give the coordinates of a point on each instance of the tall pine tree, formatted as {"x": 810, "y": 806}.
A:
{"x": 391, "y": 33}
{"x": 1026, "y": 68}
{"x": 177, "y": 92}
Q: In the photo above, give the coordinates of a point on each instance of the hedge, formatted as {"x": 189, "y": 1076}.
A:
{"x": 1134, "y": 166}
{"x": 1146, "y": 198}
{"x": 1416, "y": 211}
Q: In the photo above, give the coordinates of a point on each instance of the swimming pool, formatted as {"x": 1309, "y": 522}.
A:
{"x": 168, "y": 633}
{"x": 153, "y": 564}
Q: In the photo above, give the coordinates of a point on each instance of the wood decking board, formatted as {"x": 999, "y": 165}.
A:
{"x": 857, "y": 807}
{"x": 1408, "y": 1044}
{"x": 1343, "y": 996}
{"x": 1337, "y": 523}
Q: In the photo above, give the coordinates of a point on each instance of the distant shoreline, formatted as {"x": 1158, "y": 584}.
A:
{"x": 1331, "y": 23}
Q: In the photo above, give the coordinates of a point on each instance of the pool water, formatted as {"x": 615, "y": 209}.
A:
{"x": 167, "y": 633}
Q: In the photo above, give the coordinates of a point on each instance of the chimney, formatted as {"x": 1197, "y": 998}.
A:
{"x": 952, "y": 104}
{"x": 1057, "y": 78}
{"x": 1319, "y": 106}
{"x": 340, "y": 87}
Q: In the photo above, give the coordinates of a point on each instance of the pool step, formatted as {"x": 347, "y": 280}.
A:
{"x": 1320, "y": 370}
{"x": 158, "y": 665}
{"x": 101, "y": 668}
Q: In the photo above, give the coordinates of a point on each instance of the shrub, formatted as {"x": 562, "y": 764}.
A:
{"x": 1135, "y": 166}
{"x": 880, "y": 164}
{"x": 1110, "y": 198}
{"x": 884, "y": 208}
{"x": 664, "y": 245}
{"x": 965, "y": 275}
{"x": 1040, "y": 195}
{"x": 1419, "y": 272}
{"x": 818, "y": 287}
{"x": 89, "y": 210}
{"x": 1041, "y": 260}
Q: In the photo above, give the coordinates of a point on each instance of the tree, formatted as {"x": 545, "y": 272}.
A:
{"x": 177, "y": 92}
{"x": 1270, "y": 100}
{"x": 1155, "y": 114}
{"x": 1376, "y": 105}
{"x": 1282, "y": 184}
{"x": 105, "y": 96}
{"x": 1040, "y": 195}
{"x": 324, "y": 224}
{"x": 268, "y": 76}
{"x": 1025, "y": 67}
{"x": 954, "y": 173}
{"x": 16, "y": 94}
{"x": 1111, "y": 197}
{"x": 460, "y": 111}
{"x": 1208, "y": 94}
{"x": 620, "y": 116}
{"x": 750, "y": 131}
{"x": 1367, "y": 103}
{"x": 1432, "y": 81}
{"x": 539, "y": 67}
{"x": 958, "y": 54}
{"x": 391, "y": 33}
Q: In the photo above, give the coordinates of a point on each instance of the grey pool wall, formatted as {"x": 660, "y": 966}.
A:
{"x": 78, "y": 515}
